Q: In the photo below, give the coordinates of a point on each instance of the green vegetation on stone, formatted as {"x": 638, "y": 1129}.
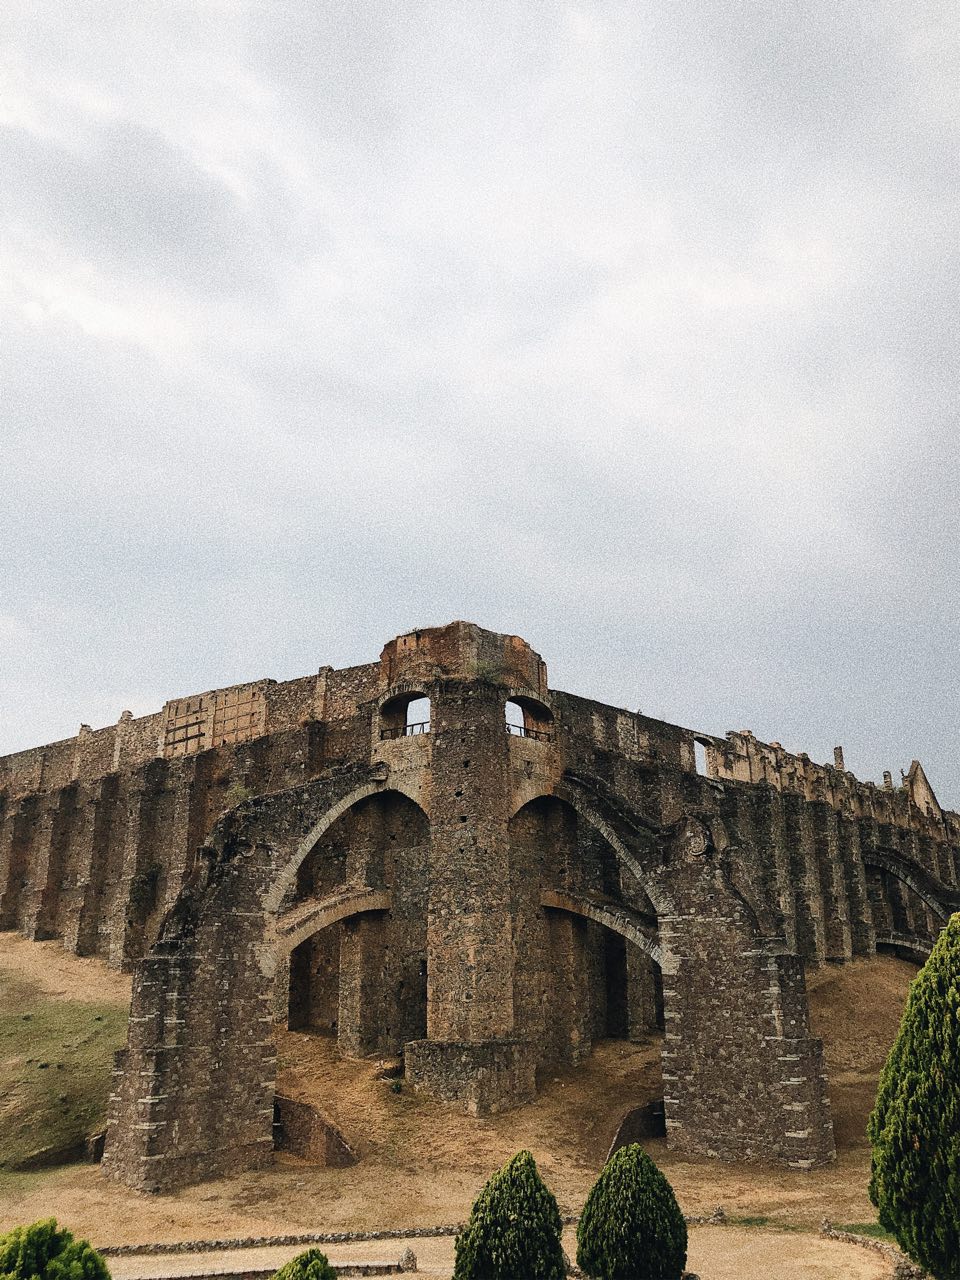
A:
{"x": 55, "y": 1066}
{"x": 311, "y": 1265}
{"x": 514, "y": 1228}
{"x": 631, "y": 1227}
{"x": 45, "y": 1252}
{"x": 915, "y": 1125}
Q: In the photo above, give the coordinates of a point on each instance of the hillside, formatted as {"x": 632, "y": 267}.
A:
{"x": 61, "y": 1018}
{"x": 421, "y": 1162}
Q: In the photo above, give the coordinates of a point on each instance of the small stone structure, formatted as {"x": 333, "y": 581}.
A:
{"x": 439, "y": 856}
{"x": 304, "y": 1131}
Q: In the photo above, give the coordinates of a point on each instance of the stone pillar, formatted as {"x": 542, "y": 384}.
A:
{"x": 470, "y": 1053}
{"x": 82, "y": 847}
{"x": 41, "y": 908}
{"x": 805, "y": 875}
{"x": 772, "y": 833}
{"x": 126, "y": 941}
{"x": 837, "y": 943}
{"x": 641, "y": 994}
{"x": 862, "y": 933}
{"x": 13, "y": 837}
{"x": 360, "y": 1015}
{"x": 568, "y": 1020}
{"x": 743, "y": 1077}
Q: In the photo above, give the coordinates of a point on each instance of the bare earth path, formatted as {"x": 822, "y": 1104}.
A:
{"x": 715, "y": 1253}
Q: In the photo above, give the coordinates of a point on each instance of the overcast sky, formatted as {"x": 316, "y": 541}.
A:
{"x": 630, "y": 328}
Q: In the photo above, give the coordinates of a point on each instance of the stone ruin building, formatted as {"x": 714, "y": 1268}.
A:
{"x": 437, "y": 855}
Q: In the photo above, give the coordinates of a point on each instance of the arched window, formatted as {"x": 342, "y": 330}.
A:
{"x": 405, "y": 716}
{"x": 515, "y": 718}
{"x": 418, "y": 716}
{"x": 700, "y": 757}
{"x": 526, "y": 718}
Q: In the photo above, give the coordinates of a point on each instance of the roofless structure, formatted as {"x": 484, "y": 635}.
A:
{"x": 440, "y": 856}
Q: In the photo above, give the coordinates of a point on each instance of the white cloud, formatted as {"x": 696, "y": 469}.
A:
{"x": 631, "y": 328}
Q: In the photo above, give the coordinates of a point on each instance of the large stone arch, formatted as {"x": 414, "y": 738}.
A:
{"x": 941, "y": 899}
{"x": 638, "y": 851}
{"x": 743, "y": 1077}
{"x": 196, "y": 1084}
{"x": 287, "y": 872}
{"x": 613, "y": 916}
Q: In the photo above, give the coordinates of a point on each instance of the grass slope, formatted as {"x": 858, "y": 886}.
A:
{"x": 55, "y": 1064}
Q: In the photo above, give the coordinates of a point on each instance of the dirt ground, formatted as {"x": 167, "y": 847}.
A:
{"x": 60, "y": 974}
{"x": 714, "y": 1253}
{"x": 422, "y": 1163}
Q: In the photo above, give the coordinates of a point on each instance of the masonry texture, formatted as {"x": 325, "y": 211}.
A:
{"x": 438, "y": 856}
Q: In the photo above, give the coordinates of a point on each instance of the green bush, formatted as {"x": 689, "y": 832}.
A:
{"x": 514, "y": 1228}
{"x": 915, "y": 1125}
{"x": 631, "y": 1227}
{"x": 312, "y": 1265}
{"x": 42, "y": 1252}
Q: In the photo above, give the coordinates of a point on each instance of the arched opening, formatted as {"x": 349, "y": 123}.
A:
{"x": 405, "y": 716}
{"x": 587, "y": 966}
{"x": 313, "y": 1003}
{"x": 363, "y": 977}
{"x": 527, "y": 718}
{"x": 700, "y": 758}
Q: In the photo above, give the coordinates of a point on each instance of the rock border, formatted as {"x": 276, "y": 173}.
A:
{"x": 903, "y": 1268}
{"x": 331, "y": 1237}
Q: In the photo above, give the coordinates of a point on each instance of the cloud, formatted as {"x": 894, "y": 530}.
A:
{"x": 628, "y": 328}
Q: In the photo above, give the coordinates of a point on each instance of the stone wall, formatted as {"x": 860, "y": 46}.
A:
{"x": 486, "y": 900}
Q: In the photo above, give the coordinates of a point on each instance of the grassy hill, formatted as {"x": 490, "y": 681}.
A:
{"x": 55, "y": 1062}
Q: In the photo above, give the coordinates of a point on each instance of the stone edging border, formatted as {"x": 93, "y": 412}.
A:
{"x": 325, "y": 1237}
{"x": 903, "y": 1268}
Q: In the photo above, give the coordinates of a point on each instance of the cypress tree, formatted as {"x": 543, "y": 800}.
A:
{"x": 43, "y": 1251}
{"x": 311, "y": 1265}
{"x": 914, "y": 1128}
{"x": 514, "y": 1228}
{"x": 631, "y": 1227}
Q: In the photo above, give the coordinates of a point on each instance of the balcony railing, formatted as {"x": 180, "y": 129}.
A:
{"x": 524, "y": 731}
{"x": 405, "y": 730}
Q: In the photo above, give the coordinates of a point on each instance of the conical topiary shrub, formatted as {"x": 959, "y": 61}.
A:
{"x": 915, "y": 1125}
{"x": 311, "y": 1265}
{"x": 631, "y": 1227}
{"x": 514, "y": 1228}
{"x": 45, "y": 1252}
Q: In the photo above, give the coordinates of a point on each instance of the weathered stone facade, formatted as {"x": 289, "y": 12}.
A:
{"x": 485, "y": 883}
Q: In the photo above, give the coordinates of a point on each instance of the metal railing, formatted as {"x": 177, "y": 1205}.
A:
{"x": 524, "y": 731}
{"x": 405, "y": 730}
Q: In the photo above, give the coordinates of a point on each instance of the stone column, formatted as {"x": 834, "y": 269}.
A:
{"x": 471, "y": 1053}
{"x": 41, "y": 909}
{"x": 360, "y": 1016}
{"x": 743, "y": 1077}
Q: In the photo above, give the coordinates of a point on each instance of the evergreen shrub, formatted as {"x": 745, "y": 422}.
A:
{"x": 631, "y": 1227}
{"x": 311, "y": 1265}
{"x": 514, "y": 1228}
{"x": 914, "y": 1128}
{"x": 43, "y": 1251}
